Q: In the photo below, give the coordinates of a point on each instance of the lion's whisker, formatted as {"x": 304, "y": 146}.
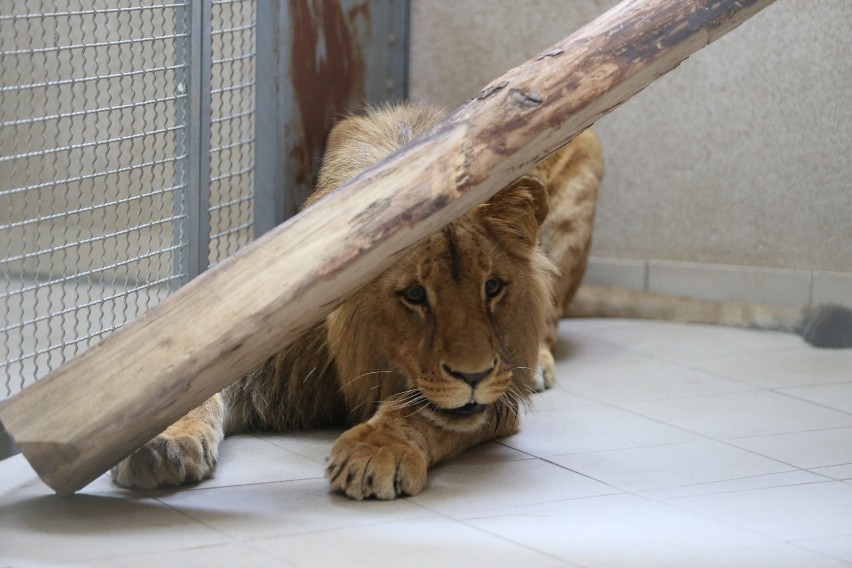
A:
{"x": 308, "y": 376}
{"x": 403, "y": 399}
{"x": 424, "y": 405}
{"x": 360, "y": 376}
{"x": 408, "y": 402}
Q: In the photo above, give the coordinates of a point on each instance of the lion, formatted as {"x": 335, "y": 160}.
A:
{"x": 437, "y": 354}
{"x": 442, "y": 350}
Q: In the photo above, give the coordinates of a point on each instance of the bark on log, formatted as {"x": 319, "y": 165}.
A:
{"x": 87, "y": 415}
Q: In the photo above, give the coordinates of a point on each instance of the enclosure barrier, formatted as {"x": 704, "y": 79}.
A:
{"x": 90, "y": 413}
{"x": 127, "y": 163}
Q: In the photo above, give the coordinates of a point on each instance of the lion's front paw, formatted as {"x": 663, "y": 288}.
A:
{"x": 544, "y": 376}
{"x": 368, "y": 462}
{"x": 168, "y": 461}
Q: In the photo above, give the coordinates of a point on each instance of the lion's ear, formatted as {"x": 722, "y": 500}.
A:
{"x": 517, "y": 211}
{"x": 340, "y": 133}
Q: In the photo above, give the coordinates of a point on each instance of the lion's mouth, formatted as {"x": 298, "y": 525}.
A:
{"x": 468, "y": 409}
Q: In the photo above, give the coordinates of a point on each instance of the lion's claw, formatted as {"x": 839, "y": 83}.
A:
{"x": 368, "y": 463}
{"x": 167, "y": 461}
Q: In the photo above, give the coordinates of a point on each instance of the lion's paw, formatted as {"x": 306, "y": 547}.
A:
{"x": 367, "y": 462}
{"x": 168, "y": 461}
{"x": 544, "y": 378}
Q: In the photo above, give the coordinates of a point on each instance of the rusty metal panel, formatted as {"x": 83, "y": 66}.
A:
{"x": 318, "y": 60}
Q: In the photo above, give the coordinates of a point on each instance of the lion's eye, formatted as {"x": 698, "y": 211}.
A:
{"x": 493, "y": 287}
{"x": 415, "y": 294}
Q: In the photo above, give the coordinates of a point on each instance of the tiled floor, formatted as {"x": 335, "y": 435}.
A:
{"x": 662, "y": 445}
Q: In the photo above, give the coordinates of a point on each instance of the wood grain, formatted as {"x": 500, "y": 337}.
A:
{"x": 87, "y": 415}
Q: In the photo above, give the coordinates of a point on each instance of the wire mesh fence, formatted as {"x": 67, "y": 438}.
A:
{"x": 105, "y": 208}
{"x": 232, "y": 126}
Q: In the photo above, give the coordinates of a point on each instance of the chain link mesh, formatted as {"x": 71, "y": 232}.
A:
{"x": 93, "y": 153}
{"x": 232, "y": 127}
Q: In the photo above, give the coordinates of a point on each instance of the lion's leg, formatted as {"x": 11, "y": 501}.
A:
{"x": 390, "y": 454}
{"x": 572, "y": 176}
{"x": 186, "y": 452}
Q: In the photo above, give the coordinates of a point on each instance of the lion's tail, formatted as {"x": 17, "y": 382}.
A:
{"x": 825, "y": 325}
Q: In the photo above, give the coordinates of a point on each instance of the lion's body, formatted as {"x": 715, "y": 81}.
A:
{"x": 437, "y": 353}
{"x": 337, "y": 374}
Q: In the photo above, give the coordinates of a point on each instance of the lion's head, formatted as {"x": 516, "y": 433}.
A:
{"x": 455, "y": 325}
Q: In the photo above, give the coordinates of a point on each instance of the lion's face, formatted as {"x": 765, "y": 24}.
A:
{"x": 456, "y": 324}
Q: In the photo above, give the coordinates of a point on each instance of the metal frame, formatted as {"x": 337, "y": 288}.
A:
{"x": 272, "y": 100}
{"x": 386, "y": 55}
{"x": 198, "y": 180}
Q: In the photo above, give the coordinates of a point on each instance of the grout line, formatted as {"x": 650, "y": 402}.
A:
{"x": 266, "y": 439}
{"x": 795, "y": 543}
{"x": 699, "y": 434}
{"x": 231, "y": 538}
{"x": 775, "y": 434}
{"x": 663, "y": 499}
{"x": 821, "y": 405}
{"x": 619, "y": 490}
{"x": 688, "y": 363}
{"x": 516, "y": 510}
{"x": 674, "y": 503}
{"x": 519, "y": 543}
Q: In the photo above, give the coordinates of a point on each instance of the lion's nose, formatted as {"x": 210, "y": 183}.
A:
{"x": 472, "y": 379}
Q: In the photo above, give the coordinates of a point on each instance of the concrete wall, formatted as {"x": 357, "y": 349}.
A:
{"x": 741, "y": 156}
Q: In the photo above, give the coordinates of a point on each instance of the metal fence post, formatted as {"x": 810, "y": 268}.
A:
{"x": 199, "y": 141}
{"x": 180, "y": 259}
{"x": 272, "y": 100}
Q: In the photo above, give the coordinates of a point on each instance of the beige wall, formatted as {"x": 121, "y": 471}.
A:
{"x": 739, "y": 156}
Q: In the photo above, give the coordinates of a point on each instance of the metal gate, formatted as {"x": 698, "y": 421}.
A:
{"x": 142, "y": 141}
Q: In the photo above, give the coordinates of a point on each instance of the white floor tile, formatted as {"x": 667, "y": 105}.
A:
{"x": 807, "y": 450}
{"x": 273, "y": 509}
{"x": 576, "y": 349}
{"x": 489, "y": 454}
{"x": 312, "y": 445}
{"x": 839, "y": 547}
{"x": 625, "y": 530}
{"x": 675, "y": 465}
{"x": 835, "y": 395}
{"x": 591, "y": 429}
{"x": 737, "y": 415}
{"x": 784, "y": 479}
{"x": 795, "y": 366}
{"x": 840, "y": 472}
{"x": 644, "y": 379}
{"x": 796, "y": 512}
{"x": 558, "y": 397}
{"x": 247, "y": 459}
{"x": 677, "y": 341}
{"x": 455, "y": 489}
{"x": 420, "y": 542}
{"x": 229, "y": 555}
{"x": 40, "y": 528}
{"x": 16, "y": 474}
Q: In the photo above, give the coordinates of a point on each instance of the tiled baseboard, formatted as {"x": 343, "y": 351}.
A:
{"x": 723, "y": 282}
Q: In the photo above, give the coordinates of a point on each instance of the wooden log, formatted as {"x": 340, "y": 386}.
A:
{"x": 90, "y": 413}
